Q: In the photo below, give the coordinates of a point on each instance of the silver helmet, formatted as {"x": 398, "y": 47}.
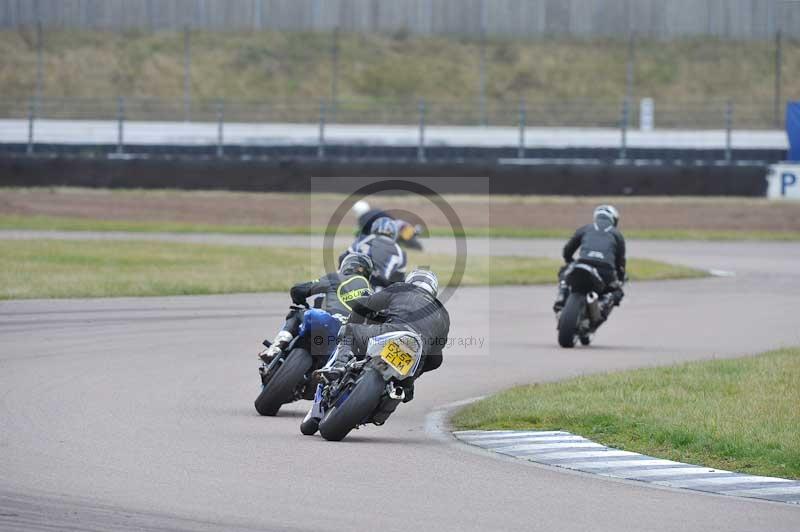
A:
{"x": 385, "y": 226}
{"x": 607, "y": 211}
{"x": 425, "y": 279}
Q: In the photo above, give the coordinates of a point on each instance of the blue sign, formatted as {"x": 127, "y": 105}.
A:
{"x": 793, "y": 129}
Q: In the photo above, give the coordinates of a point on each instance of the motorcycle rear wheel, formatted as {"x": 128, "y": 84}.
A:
{"x": 362, "y": 401}
{"x": 569, "y": 320}
{"x": 281, "y": 386}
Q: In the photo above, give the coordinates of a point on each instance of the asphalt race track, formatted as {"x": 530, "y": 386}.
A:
{"x": 136, "y": 414}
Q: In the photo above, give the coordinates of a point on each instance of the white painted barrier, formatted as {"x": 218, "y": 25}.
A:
{"x": 783, "y": 181}
{"x": 647, "y": 113}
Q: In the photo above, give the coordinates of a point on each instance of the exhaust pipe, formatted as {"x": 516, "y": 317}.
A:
{"x": 396, "y": 392}
{"x": 593, "y": 306}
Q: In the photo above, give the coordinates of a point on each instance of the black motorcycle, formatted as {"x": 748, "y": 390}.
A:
{"x": 585, "y": 308}
{"x": 287, "y": 377}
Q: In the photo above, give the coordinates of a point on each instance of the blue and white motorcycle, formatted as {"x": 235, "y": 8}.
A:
{"x": 367, "y": 390}
{"x": 287, "y": 377}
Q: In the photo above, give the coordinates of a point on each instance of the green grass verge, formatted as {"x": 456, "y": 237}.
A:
{"x": 739, "y": 414}
{"x": 50, "y": 223}
{"x": 62, "y": 269}
{"x": 54, "y": 223}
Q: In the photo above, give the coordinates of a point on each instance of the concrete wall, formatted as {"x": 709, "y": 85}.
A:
{"x": 737, "y": 19}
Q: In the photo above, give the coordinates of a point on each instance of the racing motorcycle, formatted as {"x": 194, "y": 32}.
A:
{"x": 584, "y": 310}
{"x": 408, "y": 235}
{"x": 287, "y": 377}
{"x": 368, "y": 390}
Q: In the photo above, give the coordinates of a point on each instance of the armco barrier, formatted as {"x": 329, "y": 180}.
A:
{"x": 432, "y": 153}
{"x": 586, "y": 178}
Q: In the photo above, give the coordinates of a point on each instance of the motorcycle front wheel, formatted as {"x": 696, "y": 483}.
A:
{"x": 362, "y": 401}
{"x": 281, "y": 386}
{"x": 570, "y": 319}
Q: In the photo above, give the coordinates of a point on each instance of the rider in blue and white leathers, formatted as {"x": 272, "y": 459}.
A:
{"x": 388, "y": 259}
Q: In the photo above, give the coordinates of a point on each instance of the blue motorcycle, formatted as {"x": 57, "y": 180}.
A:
{"x": 287, "y": 377}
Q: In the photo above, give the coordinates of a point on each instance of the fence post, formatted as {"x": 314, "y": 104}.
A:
{"x": 522, "y": 121}
{"x": 728, "y": 131}
{"x": 31, "y": 119}
{"x": 321, "y": 142}
{"x": 220, "y": 128}
{"x": 421, "y": 144}
{"x": 623, "y": 149}
{"x": 187, "y": 76}
{"x": 778, "y": 77}
{"x": 334, "y": 70}
{"x": 39, "y": 60}
{"x": 120, "y": 124}
{"x": 482, "y": 64}
{"x": 630, "y": 67}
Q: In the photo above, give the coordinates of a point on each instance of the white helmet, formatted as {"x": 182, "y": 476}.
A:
{"x": 425, "y": 279}
{"x": 607, "y": 211}
{"x": 360, "y": 208}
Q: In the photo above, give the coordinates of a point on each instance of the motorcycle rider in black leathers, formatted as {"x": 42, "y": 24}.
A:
{"x": 367, "y": 216}
{"x": 401, "y": 306}
{"x": 341, "y": 289}
{"x": 388, "y": 259}
{"x": 601, "y": 245}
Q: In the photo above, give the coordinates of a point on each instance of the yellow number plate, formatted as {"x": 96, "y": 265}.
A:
{"x": 394, "y": 355}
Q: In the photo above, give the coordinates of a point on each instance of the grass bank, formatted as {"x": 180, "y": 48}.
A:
{"x": 296, "y": 66}
{"x": 55, "y": 223}
{"x": 739, "y": 414}
{"x": 64, "y": 269}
